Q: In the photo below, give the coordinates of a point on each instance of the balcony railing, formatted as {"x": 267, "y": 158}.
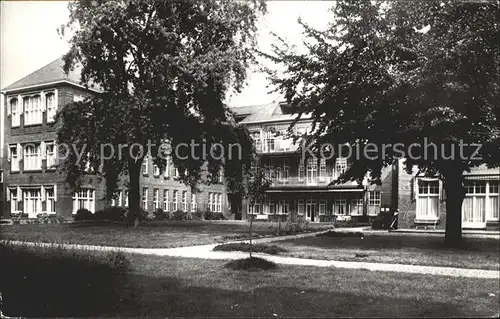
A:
{"x": 305, "y": 181}
{"x": 277, "y": 146}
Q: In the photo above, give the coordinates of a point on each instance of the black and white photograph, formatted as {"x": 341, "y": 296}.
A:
{"x": 250, "y": 158}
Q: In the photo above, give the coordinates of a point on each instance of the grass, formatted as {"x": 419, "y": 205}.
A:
{"x": 173, "y": 287}
{"x": 396, "y": 248}
{"x": 245, "y": 247}
{"x": 51, "y": 281}
{"x": 251, "y": 263}
{"x": 160, "y": 234}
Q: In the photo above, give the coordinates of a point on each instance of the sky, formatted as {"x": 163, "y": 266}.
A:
{"x": 29, "y": 39}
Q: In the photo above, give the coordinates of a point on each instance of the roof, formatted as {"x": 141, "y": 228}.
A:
{"x": 52, "y": 72}
{"x": 274, "y": 111}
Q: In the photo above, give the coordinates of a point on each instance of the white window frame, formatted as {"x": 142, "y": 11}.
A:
{"x": 156, "y": 198}
{"x": 175, "y": 200}
{"x": 312, "y": 170}
{"x": 156, "y": 170}
{"x": 194, "y": 205}
{"x": 340, "y": 202}
{"x": 125, "y": 200}
{"x": 166, "y": 196}
{"x": 33, "y": 109}
{"x": 14, "y": 158}
{"x": 50, "y": 155}
{"x": 340, "y": 166}
{"x": 283, "y": 207}
{"x": 32, "y": 201}
{"x": 52, "y": 108}
{"x": 145, "y": 165}
{"x": 184, "y": 201}
{"x": 32, "y": 157}
{"x": 50, "y": 200}
{"x": 15, "y": 113}
{"x": 301, "y": 207}
{"x": 322, "y": 207}
{"x": 85, "y": 196}
{"x": 428, "y": 190}
{"x": 356, "y": 203}
{"x": 144, "y": 198}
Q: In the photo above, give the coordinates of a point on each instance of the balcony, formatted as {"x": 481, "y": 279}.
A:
{"x": 307, "y": 181}
{"x": 277, "y": 146}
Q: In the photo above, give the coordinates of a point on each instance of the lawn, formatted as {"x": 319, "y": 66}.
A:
{"x": 397, "y": 248}
{"x": 159, "y": 287}
{"x": 160, "y": 234}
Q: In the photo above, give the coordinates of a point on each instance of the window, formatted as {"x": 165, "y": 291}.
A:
{"x": 481, "y": 203}
{"x": 256, "y": 139}
{"x": 145, "y": 198}
{"x": 32, "y": 202}
{"x": 184, "y": 201}
{"x": 50, "y": 155}
{"x": 51, "y": 200}
{"x": 374, "y": 198}
{"x": 312, "y": 170}
{"x": 126, "y": 199}
{"x": 272, "y": 207}
{"x": 254, "y": 209}
{"x": 15, "y": 112}
{"x": 156, "y": 170}
{"x": 340, "y": 166}
{"x": 13, "y": 200}
{"x": 322, "y": 169}
{"x": 283, "y": 207}
{"x": 210, "y": 198}
{"x": 50, "y": 104}
{"x": 194, "y": 205}
{"x": 156, "y": 198}
{"x": 32, "y": 109}
{"x": 78, "y": 98}
{"x": 493, "y": 210}
{"x": 145, "y": 166}
{"x": 176, "y": 200}
{"x": 219, "y": 203}
{"x": 120, "y": 198}
{"x": 428, "y": 199}
{"x": 14, "y": 158}
{"x": 374, "y": 203}
{"x": 356, "y": 206}
{"x": 283, "y": 172}
{"x": 32, "y": 157}
{"x": 300, "y": 207}
{"x": 165, "y": 200}
{"x": 84, "y": 198}
{"x": 339, "y": 205}
{"x": 269, "y": 141}
{"x": 322, "y": 207}
{"x": 166, "y": 174}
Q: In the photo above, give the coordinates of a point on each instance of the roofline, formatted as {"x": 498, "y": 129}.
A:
{"x": 274, "y": 120}
{"x": 46, "y": 84}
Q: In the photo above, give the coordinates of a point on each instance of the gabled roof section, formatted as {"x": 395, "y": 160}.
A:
{"x": 274, "y": 111}
{"x": 52, "y": 72}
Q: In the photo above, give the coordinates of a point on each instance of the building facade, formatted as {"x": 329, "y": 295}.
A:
{"x": 302, "y": 184}
{"x": 34, "y": 185}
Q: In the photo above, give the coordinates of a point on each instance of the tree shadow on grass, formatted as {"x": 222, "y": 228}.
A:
{"x": 158, "y": 297}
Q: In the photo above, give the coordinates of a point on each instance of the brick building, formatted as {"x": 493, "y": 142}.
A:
{"x": 301, "y": 185}
{"x": 32, "y": 182}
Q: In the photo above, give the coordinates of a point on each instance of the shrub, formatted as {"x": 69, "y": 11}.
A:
{"x": 333, "y": 233}
{"x": 179, "y": 215}
{"x": 277, "y": 218}
{"x": 198, "y": 214}
{"x": 218, "y": 216}
{"x": 245, "y": 247}
{"x": 253, "y": 263}
{"x": 209, "y": 215}
{"x": 83, "y": 214}
{"x": 160, "y": 214}
{"x": 54, "y": 282}
{"x": 143, "y": 214}
{"x": 301, "y": 225}
{"x": 110, "y": 213}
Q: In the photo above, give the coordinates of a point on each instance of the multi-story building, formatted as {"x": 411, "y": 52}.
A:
{"x": 32, "y": 181}
{"x": 302, "y": 184}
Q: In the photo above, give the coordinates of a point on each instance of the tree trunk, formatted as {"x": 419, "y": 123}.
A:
{"x": 134, "y": 193}
{"x": 455, "y": 194}
{"x": 250, "y": 248}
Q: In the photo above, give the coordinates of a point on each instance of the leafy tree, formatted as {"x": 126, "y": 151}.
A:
{"x": 257, "y": 185}
{"x": 164, "y": 68}
{"x": 389, "y": 72}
